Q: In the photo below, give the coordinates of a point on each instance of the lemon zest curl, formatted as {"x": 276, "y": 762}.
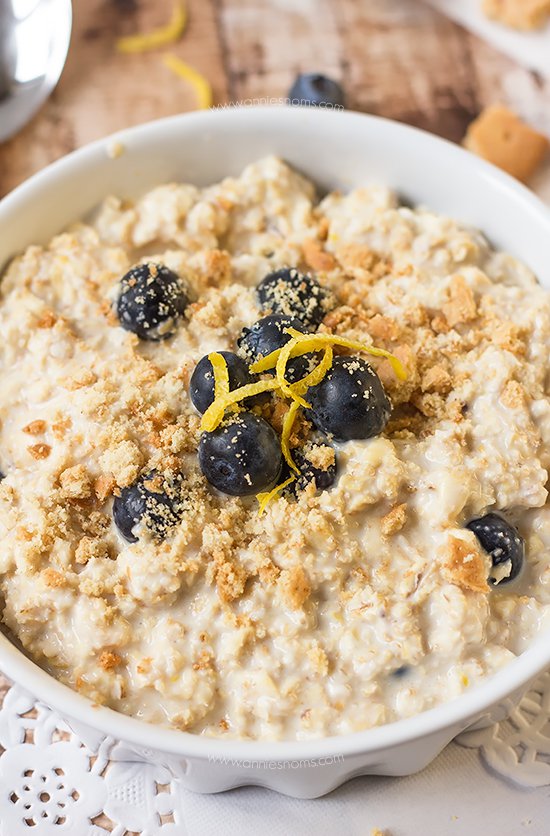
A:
{"x": 265, "y": 498}
{"x": 163, "y": 36}
{"x": 199, "y": 82}
{"x": 304, "y": 343}
{"x": 221, "y": 374}
{"x": 288, "y": 423}
{"x": 215, "y": 412}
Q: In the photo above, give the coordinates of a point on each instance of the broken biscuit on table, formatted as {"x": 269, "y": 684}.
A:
{"x": 519, "y": 14}
{"x": 499, "y": 136}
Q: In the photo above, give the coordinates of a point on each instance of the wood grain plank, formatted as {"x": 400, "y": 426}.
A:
{"x": 270, "y": 42}
{"x": 409, "y": 63}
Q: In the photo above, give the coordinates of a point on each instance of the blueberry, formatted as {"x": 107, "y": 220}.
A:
{"x": 154, "y": 499}
{"x": 401, "y": 671}
{"x": 350, "y": 401}
{"x": 152, "y": 298}
{"x": 316, "y": 462}
{"x": 201, "y": 386}
{"x": 316, "y": 89}
{"x": 242, "y": 456}
{"x": 502, "y": 542}
{"x": 295, "y": 294}
{"x": 267, "y": 335}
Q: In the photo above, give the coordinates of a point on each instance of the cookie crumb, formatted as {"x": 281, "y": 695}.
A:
{"x": 230, "y": 581}
{"x": 122, "y": 461}
{"x": 115, "y": 149}
{"x": 519, "y": 14}
{"x": 501, "y": 137}
{"x": 40, "y": 451}
{"x": 47, "y": 320}
{"x": 513, "y": 395}
{"x": 60, "y": 427}
{"x": 104, "y": 486}
{"x": 295, "y": 587}
{"x": 321, "y": 456}
{"x": 465, "y": 565}
{"x": 394, "y": 520}
{"x": 461, "y": 306}
{"x": 35, "y": 428}
{"x": 357, "y": 257}
{"x": 316, "y": 257}
{"x": 109, "y": 660}
{"x": 75, "y": 482}
{"x": 54, "y": 579}
{"x": 89, "y": 548}
{"x": 436, "y": 379}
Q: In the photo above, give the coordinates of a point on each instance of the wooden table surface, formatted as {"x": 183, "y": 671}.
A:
{"x": 396, "y": 58}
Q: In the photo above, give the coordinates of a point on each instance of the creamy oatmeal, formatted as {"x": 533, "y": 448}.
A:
{"x": 334, "y": 610}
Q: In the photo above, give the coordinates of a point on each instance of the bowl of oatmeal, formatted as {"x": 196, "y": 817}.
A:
{"x": 273, "y": 437}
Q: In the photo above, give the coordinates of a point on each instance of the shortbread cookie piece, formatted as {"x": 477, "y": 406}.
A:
{"x": 499, "y": 136}
{"x": 520, "y": 14}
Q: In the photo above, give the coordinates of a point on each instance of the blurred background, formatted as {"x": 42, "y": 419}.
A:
{"x": 403, "y": 59}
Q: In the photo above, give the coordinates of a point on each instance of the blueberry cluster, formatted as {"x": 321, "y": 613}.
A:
{"x": 243, "y": 454}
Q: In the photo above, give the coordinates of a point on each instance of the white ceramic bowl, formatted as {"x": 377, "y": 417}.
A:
{"x": 337, "y": 150}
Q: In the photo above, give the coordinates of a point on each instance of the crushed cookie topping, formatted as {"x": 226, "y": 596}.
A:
{"x": 403, "y": 514}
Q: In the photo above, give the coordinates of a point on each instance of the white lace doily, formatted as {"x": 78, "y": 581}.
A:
{"x": 51, "y": 783}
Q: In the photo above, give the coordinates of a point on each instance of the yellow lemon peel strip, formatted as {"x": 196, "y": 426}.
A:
{"x": 215, "y": 412}
{"x": 201, "y": 85}
{"x": 221, "y": 374}
{"x": 265, "y": 498}
{"x": 304, "y": 343}
{"x": 314, "y": 377}
{"x": 163, "y": 36}
{"x": 265, "y": 363}
{"x": 288, "y": 423}
{"x": 332, "y": 339}
{"x": 280, "y": 368}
